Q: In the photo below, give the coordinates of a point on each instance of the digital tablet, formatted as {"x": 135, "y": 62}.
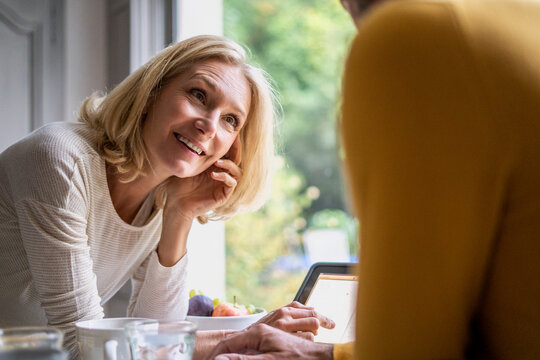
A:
{"x": 331, "y": 288}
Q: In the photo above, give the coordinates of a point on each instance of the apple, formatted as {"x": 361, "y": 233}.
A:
{"x": 228, "y": 309}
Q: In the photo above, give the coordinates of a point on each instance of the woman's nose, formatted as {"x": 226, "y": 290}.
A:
{"x": 208, "y": 124}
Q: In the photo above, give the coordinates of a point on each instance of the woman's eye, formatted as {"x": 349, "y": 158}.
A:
{"x": 199, "y": 94}
{"x": 232, "y": 120}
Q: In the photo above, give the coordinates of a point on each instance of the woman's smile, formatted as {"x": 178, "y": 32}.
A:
{"x": 189, "y": 144}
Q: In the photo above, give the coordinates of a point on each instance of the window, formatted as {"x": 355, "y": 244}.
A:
{"x": 302, "y": 45}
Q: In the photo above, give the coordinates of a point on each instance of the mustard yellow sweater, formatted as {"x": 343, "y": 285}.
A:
{"x": 441, "y": 127}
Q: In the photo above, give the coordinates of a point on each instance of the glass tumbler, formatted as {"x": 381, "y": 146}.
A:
{"x": 160, "y": 339}
{"x": 32, "y": 342}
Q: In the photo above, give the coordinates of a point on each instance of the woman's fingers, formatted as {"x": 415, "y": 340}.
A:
{"x": 225, "y": 178}
{"x": 235, "y": 152}
{"x": 230, "y": 166}
{"x": 230, "y": 163}
{"x": 229, "y": 177}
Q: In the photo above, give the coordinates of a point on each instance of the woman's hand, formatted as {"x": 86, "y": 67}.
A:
{"x": 298, "y": 319}
{"x": 191, "y": 197}
{"x": 195, "y": 196}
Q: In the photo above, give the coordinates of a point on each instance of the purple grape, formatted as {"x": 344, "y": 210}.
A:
{"x": 200, "y": 305}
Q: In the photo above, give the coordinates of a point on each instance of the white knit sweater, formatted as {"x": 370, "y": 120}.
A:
{"x": 64, "y": 251}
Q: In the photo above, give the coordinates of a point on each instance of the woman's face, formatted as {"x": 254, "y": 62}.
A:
{"x": 196, "y": 118}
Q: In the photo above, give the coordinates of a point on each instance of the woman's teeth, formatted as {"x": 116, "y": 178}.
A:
{"x": 189, "y": 144}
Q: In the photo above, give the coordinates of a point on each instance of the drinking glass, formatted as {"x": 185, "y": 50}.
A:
{"x": 161, "y": 339}
{"x": 32, "y": 342}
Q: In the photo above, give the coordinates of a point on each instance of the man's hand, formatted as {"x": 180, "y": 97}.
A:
{"x": 298, "y": 319}
{"x": 262, "y": 342}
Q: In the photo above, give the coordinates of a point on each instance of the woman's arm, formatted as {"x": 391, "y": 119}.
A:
{"x": 59, "y": 259}
{"x": 50, "y": 201}
{"x": 159, "y": 284}
{"x": 188, "y": 198}
{"x": 159, "y": 289}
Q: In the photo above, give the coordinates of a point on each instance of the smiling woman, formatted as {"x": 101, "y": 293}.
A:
{"x": 196, "y": 119}
{"x": 192, "y": 71}
{"x": 86, "y": 206}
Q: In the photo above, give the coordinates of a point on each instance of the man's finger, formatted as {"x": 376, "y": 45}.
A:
{"x": 306, "y": 335}
{"x": 306, "y": 324}
{"x": 299, "y": 305}
{"x": 242, "y": 357}
{"x": 242, "y": 341}
{"x": 325, "y": 322}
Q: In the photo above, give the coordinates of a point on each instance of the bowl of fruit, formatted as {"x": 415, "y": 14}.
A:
{"x": 214, "y": 314}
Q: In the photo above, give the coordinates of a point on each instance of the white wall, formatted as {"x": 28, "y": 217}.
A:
{"x": 85, "y": 52}
{"x": 196, "y": 17}
{"x": 206, "y": 266}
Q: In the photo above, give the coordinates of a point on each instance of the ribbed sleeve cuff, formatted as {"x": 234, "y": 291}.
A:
{"x": 163, "y": 294}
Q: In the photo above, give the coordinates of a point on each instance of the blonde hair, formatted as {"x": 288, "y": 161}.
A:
{"x": 117, "y": 118}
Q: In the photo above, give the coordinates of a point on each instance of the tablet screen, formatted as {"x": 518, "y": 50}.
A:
{"x": 334, "y": 295}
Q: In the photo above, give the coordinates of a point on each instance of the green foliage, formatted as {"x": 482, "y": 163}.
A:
{"x": 330, "y": 219}
{"x": 337, "y": 219}
{"x": 254, "y": 240}
{"x": 302, "y": 45}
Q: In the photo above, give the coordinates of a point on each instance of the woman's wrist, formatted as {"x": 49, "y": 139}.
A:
{"x": 174, "y": 233}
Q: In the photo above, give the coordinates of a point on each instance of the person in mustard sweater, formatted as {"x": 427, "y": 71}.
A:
{"x": 441, "y": 129}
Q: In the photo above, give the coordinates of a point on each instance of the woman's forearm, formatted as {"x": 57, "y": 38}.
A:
{"x": 174, "y": 233}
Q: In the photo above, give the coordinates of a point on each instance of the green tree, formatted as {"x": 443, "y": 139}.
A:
{"x": 301, "y": 44}
{"x": 255, "y": 240}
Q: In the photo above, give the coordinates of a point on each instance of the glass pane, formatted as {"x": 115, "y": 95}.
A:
{"x": 302, "y": 45}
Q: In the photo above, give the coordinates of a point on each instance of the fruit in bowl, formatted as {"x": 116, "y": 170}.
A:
{"x": 228, "y": 309}
{"x": 200, "y": 305}
{"x": 223, "y": 315}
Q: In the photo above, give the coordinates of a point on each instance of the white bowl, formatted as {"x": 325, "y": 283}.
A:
{"x": 226, "y": 322}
